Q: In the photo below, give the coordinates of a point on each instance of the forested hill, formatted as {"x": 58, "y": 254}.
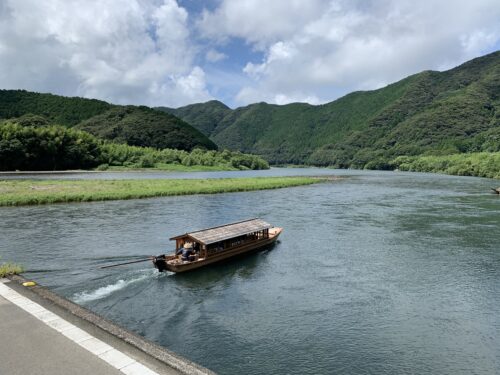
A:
{"x": 204, "y": 116}
{"x": 428, "y": 113}
{"x": 145, "y": 127}
{"x": 56, "y": 109}
{"x": 137, "y": 126}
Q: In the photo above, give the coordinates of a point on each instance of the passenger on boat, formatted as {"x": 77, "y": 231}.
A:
{"x": 187, "y": 251}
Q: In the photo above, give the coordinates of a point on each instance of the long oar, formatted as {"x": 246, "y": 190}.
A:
{"x": 123, "y": 264}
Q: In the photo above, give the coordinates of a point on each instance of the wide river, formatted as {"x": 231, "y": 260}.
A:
{"x": 379, "y": 273}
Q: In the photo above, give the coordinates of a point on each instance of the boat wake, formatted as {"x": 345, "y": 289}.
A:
{"x": 102, "y": 292}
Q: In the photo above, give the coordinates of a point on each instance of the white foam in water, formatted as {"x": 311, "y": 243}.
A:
{"x": 105, "y": 291}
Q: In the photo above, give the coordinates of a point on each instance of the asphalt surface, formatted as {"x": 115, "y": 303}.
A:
{"x": 29, "y": 346}
{"x": 44, "y": 334}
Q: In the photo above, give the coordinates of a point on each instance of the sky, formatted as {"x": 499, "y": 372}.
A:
{"x": 173, "y": 53}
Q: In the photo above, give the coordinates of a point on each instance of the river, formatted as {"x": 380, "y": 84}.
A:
{"x": 378, "y": 273}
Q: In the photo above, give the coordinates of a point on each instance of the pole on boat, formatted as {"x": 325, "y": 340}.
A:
{"x": 131, "y": 262}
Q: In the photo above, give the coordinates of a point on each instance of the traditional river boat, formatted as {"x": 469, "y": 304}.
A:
{"x": 211, "y": 245}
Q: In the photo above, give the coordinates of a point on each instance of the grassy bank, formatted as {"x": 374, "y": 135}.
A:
{"x": 7, "y": 269}
{"x": 480, "y": 164}
{"x": 32, "y": 192}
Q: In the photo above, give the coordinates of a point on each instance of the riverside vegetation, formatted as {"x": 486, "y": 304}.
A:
{"x": 31, "y": 192}
{"x": 28, "y": 147}
{"x": 481, "y": 164}
{"x": 7, "y": 269}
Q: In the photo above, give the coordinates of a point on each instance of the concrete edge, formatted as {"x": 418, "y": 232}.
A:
{"x": 157, "y": 352}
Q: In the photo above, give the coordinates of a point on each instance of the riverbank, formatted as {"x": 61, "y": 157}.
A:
{"x": 33, "y": 192}
{"x": 163, "y": 167}
{"x": 81, "y": 342}
{"x": 479, "y": 164}
{"x": 157, "y": 168}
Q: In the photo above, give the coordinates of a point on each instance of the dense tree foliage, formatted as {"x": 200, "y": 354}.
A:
{"x": 141, "y": 157}
{"x": 57, "y": 109}
{"x": 482, "y": 164}
{"x": 46, "y": 148}
{"x": 427, "y": 113}
{"x": 60, "y": 148}
{"x": 138, "y": 126}
{"x": 206, "y": 116}
{"x": 145, "y": 127}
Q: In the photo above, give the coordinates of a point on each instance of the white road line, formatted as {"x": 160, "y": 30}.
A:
{"x": 107, "y": 353}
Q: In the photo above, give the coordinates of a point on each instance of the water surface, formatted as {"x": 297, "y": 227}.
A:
{"x": 380, "y": 273}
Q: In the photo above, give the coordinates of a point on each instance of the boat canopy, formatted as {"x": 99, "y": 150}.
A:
{"x": 227, "y": 231}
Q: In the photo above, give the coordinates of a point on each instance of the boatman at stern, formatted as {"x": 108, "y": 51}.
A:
{"x": 187, "y": 252}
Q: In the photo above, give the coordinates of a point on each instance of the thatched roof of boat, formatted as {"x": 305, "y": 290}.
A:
{"x": 224, "y": 232}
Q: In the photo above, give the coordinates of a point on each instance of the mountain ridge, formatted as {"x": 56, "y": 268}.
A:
{"x": 440, "y": 110}
{"x": 134, "y": 125}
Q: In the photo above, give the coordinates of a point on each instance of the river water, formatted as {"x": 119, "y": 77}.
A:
{"x": 379, "y": 273}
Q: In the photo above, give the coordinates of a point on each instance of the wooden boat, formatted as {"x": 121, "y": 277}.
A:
{"x": 211, "y": 245}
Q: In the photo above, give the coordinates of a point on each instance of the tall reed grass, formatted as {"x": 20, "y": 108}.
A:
{"x": 33, "y": 192}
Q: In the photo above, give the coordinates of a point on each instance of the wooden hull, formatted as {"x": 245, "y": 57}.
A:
{"x": 173, "y": 264}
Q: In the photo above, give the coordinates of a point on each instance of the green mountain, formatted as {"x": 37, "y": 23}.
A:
{"x": 137, "y": 126}
{"x": 206, "y": 116}
{"x": 145, "y": 127}
{"x": 56, "y": 109}
{"x": 427, "y": 113}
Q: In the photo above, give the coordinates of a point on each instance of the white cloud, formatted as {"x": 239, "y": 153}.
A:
{"x": 317, "y": 50}
{"x": 151, "y": 52}
{"x": 258, "y": 21}
{"x": 213, "y": 55}
{"x": 123, "y": 51}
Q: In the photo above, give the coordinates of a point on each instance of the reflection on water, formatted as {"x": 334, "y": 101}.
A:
{"x": 380, "y": 273}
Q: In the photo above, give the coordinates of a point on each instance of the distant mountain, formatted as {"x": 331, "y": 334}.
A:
{"x": 427, "y": 113}
{"x": 146, "y": 127}
{"x": 137, "y": 126}
{"x": 206, "y": 116}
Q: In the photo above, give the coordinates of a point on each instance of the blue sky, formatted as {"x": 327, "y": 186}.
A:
{"x": 173, "y": 53}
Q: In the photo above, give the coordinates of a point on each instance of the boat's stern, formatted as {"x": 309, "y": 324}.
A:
{"x": 160, "y": 262}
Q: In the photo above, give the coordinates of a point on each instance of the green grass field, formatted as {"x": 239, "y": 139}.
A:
{"x": 33, "y": 192}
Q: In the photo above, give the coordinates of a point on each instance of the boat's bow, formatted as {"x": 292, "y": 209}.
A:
{"x": 275, "y": 232}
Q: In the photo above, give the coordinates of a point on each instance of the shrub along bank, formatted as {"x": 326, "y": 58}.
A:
{"x": 59, "y": 148}
{"x": 479, "y": 164}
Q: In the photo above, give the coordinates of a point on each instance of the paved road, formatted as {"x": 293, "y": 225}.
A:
{"x": 37, "y": 341}
{"x": 29, "y": 346}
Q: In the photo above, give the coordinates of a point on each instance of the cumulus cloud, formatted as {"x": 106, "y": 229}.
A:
{"x": 213, "y": 55}
{"x": 153, "y": 52}
{"x": 318, "y": 50}
{"x": 258, "y": 21}
{"x": 123, "y": 51}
